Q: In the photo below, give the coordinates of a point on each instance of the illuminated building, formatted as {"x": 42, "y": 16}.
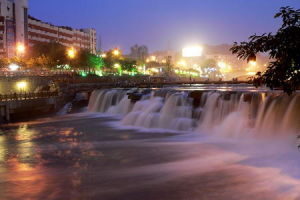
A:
{"x": 39, "y": 32}
{"x": 139, "y": 52}
{"x": 193, "y": 51}
{"x": 17, "y": 27}
{"x": 13, "y": 25}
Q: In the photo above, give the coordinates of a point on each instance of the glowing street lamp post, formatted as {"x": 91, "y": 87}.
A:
{"x": 21, "y": 86}
{"x": 116, "y": 52}
{"x": 20, "y": 49}
{"x": 71, "y": 52}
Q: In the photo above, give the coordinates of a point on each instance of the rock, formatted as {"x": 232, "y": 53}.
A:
{"x": 226, "y": 97}
{"x": 196, "y": 96}
{"x": 248, "y": 97}
{"x": 134, "y": 97}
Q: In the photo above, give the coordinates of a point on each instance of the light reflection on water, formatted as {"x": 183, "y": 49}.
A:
{"x": 85, "y": 159}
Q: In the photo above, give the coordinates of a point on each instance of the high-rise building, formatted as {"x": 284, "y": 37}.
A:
{"x": 16, "y": 26}
{"x": 139, "y": 52}
{"x": 13, "y": 25}
{"x": 43, "y": 32}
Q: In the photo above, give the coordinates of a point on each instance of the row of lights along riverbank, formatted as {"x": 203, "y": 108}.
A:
{"x": 188, "y": 65}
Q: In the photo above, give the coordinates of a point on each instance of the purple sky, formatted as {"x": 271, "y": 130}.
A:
{"x": 160, "y": 24}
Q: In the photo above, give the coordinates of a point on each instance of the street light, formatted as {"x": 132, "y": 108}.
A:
{"x": 22, "y": 85}
{"x": 71, "y": 52}
{"x": 116, "y": 52}
{"x": 20, "y": 48}
{"x": 192, "y": 51}
{"x": 253, "y": 63}
{"x": 13, "y": 67}
{"x": 182, "y": 63}
{"x": 224, "y": 68}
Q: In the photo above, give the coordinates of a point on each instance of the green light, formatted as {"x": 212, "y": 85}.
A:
{"x": 83, "y": 74}
{"x": 99, "y": 73}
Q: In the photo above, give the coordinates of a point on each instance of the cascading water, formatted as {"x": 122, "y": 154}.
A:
{"x": 174, "y": 113}
{"x": 104, "y": 100}
{"x": 232, "y": 114}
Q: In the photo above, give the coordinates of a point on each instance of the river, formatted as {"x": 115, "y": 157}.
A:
{"x": 100, "y": 155}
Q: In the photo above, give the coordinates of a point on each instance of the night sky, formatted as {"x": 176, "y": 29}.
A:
{"x": 162, "y": 24}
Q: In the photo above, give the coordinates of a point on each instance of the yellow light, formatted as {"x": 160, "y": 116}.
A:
{"x": 20, "y": 48}
{"x": 193, "y": 51}
{"x": 117, "y": 65}
{"x": 252, "y": 66}
{"x": 182, "y": 63}
{"x": 153, "y": 58}
{"x": 71, "y": 52}
{"x": 155, "y": 70}
{"x": 22, "y": 85}
{"x": 251, "y": 73}
{"x": 13, "y": 67}
{"x": 103, "y": 55}
{"x": 253, "y": 63}
{"x": 224, "y": 68}
{"x": 116, "y": 52}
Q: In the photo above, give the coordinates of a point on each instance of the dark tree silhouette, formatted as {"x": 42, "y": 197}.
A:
{"x": 283, "y": 49}
{"x": 55, "y": 52}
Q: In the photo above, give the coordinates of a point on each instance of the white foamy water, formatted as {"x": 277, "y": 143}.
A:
{"x": 229, "y": 114}
{"x": 211, "y": 162}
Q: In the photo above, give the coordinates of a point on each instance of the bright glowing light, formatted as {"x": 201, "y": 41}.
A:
{"x": 153, "y": 58}
{"x": 20, "y": 48}
{"x": 22, "y": 85}
{"x": 224, "y": 68}
{"x": 116, "y": 52}
{"x": 99, "y": 73}
{"x": 13, "y": 67}
{"x": 252, "y": 67}
{"x": 71, "y": 52}
{"x": 251, "y": 73}
{"x": 155, "y": 70}
{"x": 182, "y": 63}
{"x": 253, "y": 63}
{"x": 103, "y": 55}
{"x": 193, "y": 51}
{"x": 117, "y": 65}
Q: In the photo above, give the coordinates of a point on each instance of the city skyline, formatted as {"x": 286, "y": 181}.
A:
{"x": 163, "y": 25}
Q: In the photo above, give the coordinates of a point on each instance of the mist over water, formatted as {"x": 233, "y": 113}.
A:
{"x": 164, "y": 146}
{"x": 229, "y": 114}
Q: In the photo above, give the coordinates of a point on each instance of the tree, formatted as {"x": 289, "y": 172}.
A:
{"x": 4, "y": 62}
{"x": 54, "y": 52}
{"x": 128, "y": 65}
{"x": 41, "y": 62}
{"x": 283, "y": 48}
{"x": 96, "y": 62}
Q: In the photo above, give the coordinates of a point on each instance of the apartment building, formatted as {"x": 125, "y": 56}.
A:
{"x": 39, "y": 31}
{"x": 17, "y": 26}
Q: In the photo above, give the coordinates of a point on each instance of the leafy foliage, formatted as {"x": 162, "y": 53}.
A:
{"x": 282, "y": 47}
{"x": 52, "y": 53}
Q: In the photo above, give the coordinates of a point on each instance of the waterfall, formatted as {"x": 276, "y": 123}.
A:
{"x": 103, "y": 100}
{"x": 230, "y": 114}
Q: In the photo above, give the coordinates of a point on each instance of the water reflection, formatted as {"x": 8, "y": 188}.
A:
{"x": 2, "y": 148}
{"x": 70, "y": 160}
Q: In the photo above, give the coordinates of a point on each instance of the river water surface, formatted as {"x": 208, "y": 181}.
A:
{"x": 86, "y": 156}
